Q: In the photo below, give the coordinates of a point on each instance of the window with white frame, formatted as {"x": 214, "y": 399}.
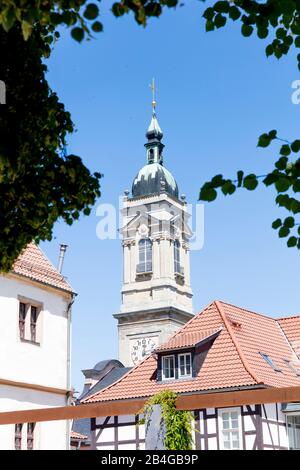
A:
{"x": 145, "y": 256}
{"x": 293, "y": 425}
{"x": 168, "y": 367}
{"x": 185, "y": 365}
{"x": 177, "y": 257}
{"x": 28, "y": 321}
{"x": 230, "y": 429}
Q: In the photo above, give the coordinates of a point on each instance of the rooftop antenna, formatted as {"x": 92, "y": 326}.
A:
{"x": 62, "y": 252}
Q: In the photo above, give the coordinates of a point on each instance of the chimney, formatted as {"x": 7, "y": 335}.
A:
{"x": 62, "y": 252}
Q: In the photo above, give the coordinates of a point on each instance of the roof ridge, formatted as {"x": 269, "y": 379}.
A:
{"x": 236, "y": 343}
{"x": 246, "y": 310}
{"x": 181, "y": 330}
{"x": 287, "y": 340}
{"x": 291, "y": 317}
{"x": 86, "y": 400}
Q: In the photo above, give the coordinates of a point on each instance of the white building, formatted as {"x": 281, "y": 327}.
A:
{"x": 35, "y": 322}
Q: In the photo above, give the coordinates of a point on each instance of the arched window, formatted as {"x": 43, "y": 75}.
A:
{"x": 177, "y": 257}
{"x": 145, "y": 256}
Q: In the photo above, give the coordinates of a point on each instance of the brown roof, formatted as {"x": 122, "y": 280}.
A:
{"x": 232, "y": 361}
{"x": 34, "y": 264}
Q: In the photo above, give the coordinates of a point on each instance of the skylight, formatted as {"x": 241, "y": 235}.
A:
{"x": 270, "y": 362}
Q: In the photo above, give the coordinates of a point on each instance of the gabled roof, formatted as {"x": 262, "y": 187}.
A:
{"x": 188, "y": 339}
{"x": 233, "y": 360}
{"x": 33, "y": 264}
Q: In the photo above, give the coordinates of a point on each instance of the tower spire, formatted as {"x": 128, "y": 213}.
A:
{"x": 152, "y": 86}
{"x": 154, "y": 134}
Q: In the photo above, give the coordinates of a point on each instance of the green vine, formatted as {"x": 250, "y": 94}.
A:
{"x": 178, "y": 423}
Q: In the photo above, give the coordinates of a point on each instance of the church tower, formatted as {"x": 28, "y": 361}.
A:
{"x": 156, "y": 291}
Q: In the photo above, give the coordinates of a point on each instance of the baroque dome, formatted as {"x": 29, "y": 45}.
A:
{"x": 154, "y": 178}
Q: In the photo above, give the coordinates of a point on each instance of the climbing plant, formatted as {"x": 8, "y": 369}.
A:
{"x": 178, "y": 423}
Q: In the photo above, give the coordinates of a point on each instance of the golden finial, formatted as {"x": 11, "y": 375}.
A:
{"x": 152, "y": 86}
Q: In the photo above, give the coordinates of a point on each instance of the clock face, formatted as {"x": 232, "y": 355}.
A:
{"x": 142, "y": 347}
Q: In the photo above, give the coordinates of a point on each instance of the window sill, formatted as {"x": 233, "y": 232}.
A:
{"x": 29, "y": 341}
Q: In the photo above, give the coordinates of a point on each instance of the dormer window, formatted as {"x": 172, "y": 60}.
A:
{"x": 185, "y": 365}
{"x": 168, "y": 367}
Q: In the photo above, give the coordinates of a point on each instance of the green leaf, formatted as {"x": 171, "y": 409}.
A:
{"x": 269, "y": 50}
{"x": 289, "y": 222}
{"x": 8, "y": 18}
{"x": 208, "y": 194}
{"x": 282, "y": 184}
{"x": 220, "y": 20}
{"x": 296, "y": 186}
{"x": 247, "y": 30}
{"x": 297, "y": 41}
{"x": 292, "y": 241}
{"x": 26, "y": 29}
{"x": 91, "y": 11}
{"x": 281, "y": 163}
{"x": 240, "y": 176}
{"x": 264, "y": 140}
{"x": 209, "y": 26}
{"x": 234, "y": 13}
{"x": 221, "y": 7}
{"x": 250, "y": 182}
{"x": 285, "y": 150}
{"x": 77, "y": 34}
{"x": 209, "y": 13}
{"x": 276, "y": 224}
{"x": 283, "y": 232}
{"x": 97, "y": 27}
{"x": 228, "y": 187}
{"x": 295, "y": 146}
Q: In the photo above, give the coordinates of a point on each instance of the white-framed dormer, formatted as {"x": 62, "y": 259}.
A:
{"x": 168, "y": 367}
{"x": 230, "y": 429}
{"x": 184, "y": 365}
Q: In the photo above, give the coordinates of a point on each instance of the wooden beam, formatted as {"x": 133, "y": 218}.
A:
{"x": 91, "y": 410}
{"x": 40, "y": 388}
{"x": 126, "y": 407}
{"x": 238, "y": 398}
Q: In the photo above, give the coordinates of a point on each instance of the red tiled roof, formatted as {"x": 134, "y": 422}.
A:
{"x": 186, "y": 340}
{"x": 34, "y": 264}
{"x": 291, "y": 328}
{"x": 232, "y": 361}
{"x": 77, "y": 435}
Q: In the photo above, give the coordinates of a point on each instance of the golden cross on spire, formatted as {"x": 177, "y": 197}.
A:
{"x": 152, "y": 86}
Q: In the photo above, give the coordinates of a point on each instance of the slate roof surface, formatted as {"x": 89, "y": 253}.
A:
{"x": 34, "y": 264}
{"x": 233, "y": 360}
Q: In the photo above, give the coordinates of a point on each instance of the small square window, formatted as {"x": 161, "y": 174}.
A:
{"x": 168, "y": 367}
{"x": 185, "y": 365}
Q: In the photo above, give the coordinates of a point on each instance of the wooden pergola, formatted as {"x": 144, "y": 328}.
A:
{"x": 125, "y": 407}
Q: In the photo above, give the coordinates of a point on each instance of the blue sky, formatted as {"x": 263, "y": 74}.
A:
{"x": 217, "y": 93}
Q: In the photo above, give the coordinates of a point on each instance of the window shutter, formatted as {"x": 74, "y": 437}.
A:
{"x": 159, "y": 369}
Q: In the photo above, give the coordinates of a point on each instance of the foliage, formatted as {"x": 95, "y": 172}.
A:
{"x": 285, "y": 177}
{"x": 38, "y": 183}
{"x": 282, "y": 17}
{"x": 178, "y": 423}
{"x": 278, "y": 17}
{"x": 77, "y": 14}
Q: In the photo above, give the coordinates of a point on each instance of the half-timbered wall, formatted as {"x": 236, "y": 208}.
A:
{"x": 117, "y": 433}
{"x": 260, "y": 427}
